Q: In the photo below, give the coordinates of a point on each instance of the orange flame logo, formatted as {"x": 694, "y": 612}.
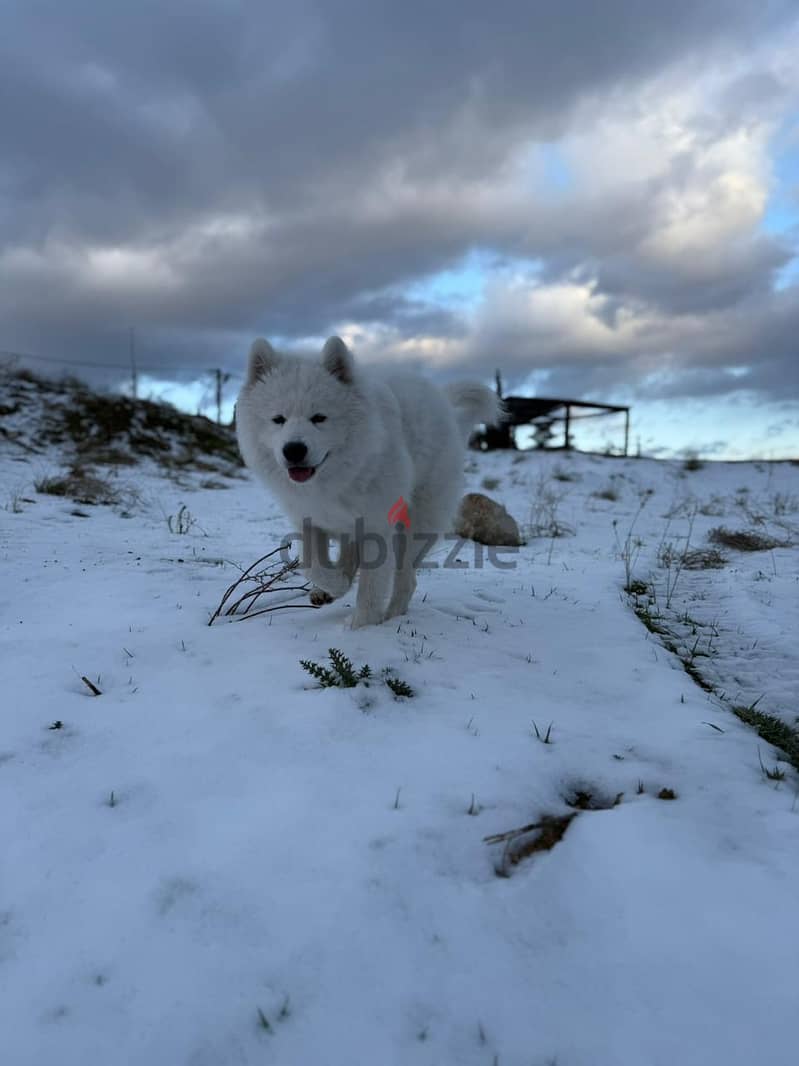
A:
{"x": 398, "y": 512}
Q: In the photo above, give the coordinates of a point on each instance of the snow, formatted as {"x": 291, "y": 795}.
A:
{"x": 215, "y": 836}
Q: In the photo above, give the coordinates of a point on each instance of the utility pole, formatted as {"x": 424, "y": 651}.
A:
{"x": 221, "y": 378}
{"x": 134, "y": 375}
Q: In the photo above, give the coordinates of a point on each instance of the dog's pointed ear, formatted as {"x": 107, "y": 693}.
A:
{"x": 337, "y": 359}
{"x": 263, "y": 359}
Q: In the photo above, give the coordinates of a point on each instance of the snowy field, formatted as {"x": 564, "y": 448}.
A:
{"x": 217, "y": 862}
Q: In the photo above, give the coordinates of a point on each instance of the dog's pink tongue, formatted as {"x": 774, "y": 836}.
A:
{"x": 301, "y": 473}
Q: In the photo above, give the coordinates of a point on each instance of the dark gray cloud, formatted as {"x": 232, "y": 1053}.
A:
{"x": 210, "y": 169}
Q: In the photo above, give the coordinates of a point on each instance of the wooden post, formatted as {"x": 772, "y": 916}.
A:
{"x": 567, "y": 440}
{"x": 499, "y": 383}
{"x": 626, "y": 431}
{"x": 218, "y": 373}
{"x": 221, "y": 378}
{"x": 134, "y": 374}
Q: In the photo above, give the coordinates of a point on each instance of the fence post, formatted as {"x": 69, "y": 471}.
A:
{"x": 134, "y": 375}
{"x": 221, "y": 378}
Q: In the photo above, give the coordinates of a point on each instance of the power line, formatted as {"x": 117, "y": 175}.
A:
{"x": 102, "y": 366}
{"x": 63, "y": 362}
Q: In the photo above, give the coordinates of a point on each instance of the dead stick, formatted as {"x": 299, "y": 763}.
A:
{"x": 279, "y": 607}
{"x": 253, "y": 594}
{"x": 497, "y": 838}
{"x": 91, "y": 686}
{"x": 247, "y": 575}
{"x": 238, "y": 581}
{"x": 254, "y": 600}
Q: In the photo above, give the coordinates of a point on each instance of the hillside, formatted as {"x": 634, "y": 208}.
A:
{"x": 209, "y": 859}
{"x": 40, "y": 416}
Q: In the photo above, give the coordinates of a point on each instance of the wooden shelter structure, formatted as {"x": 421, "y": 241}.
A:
{"x": 543, "y": 414}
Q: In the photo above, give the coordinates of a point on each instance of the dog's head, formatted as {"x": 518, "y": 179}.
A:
{"x": 297, "y": 414}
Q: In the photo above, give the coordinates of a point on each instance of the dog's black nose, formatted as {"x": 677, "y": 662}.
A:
{"x": 294, "y": 451}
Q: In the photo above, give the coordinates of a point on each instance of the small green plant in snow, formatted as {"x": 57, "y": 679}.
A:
{"x": 343, "y": 674}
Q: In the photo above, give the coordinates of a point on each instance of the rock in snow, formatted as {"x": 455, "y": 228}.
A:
{"x": 482, "y": 519}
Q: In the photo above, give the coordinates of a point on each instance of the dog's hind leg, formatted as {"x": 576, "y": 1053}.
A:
{"x": 431, "y": 514}
{"x": 404, "y": 573}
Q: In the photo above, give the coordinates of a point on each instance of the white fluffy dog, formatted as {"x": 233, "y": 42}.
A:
{"x": 373, "y": 459}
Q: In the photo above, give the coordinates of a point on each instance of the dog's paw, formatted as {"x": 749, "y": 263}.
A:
{"x": 334, "y": 582}
{"x": 319, "y": 597}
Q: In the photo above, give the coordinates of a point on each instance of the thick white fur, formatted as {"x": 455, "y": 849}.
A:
{"x": 386, "y": 435}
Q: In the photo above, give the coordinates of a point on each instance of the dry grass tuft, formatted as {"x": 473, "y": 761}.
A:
{"x": 80, "y": 486}
{"x": 560, "y": 473}
{"x": 544, "y": 518}
{"x": 610, "y": 492}
{"x": 112, "y": 457}
{"x": 745, "y": 540}
{"x": 714, "y": 507}
{"x": 704, "y": 559}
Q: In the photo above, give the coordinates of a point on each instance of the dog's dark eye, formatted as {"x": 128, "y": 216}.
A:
{"x": 316, "y": 419}
{"x": 279, "y": 420}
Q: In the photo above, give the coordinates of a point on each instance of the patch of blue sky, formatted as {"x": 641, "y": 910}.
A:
{"x": 788, "y": 275}
{"x": 462, "y": 286}
{"x": 558, "y": 176}
{"x": 285, "y": 342}
{"x": 781, "y": 217}
{"x": 739, "y": 425}
{"x": 545, "y": 167}
{"x": 195, "y": 397}
{"x": 456, "y": 287}
{"x": 732, "y": 428}
{"x": 534, "y": 384}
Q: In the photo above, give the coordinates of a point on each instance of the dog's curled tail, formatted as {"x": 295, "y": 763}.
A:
{"x": 473, "y": 404}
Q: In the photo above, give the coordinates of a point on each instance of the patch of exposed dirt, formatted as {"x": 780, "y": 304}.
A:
{"x": 521, "y": 843}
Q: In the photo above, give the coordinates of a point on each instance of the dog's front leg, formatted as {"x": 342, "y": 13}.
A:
{"x": 376, "y": 573}
{"x": 330, "y": 580}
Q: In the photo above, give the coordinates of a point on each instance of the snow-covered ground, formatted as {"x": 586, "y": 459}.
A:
{"x": 217, "y": 862}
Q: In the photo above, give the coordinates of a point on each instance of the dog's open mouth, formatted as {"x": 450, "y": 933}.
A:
{"x": 301, "y": 473}
{"x": 305, "y": 473}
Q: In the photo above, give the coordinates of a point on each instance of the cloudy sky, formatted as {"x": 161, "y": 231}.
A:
{"x": 600, "y": 198}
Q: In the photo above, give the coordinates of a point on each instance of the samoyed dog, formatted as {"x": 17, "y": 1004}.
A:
{"x": 371, "y": 459}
